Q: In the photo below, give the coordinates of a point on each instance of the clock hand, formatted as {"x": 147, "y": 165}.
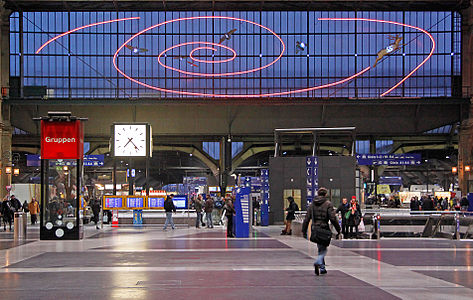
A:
{"x": 135, "y": 146}
{"x": 129, "y": 140}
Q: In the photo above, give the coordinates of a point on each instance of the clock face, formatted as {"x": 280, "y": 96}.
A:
{"x": 130, "y": 140}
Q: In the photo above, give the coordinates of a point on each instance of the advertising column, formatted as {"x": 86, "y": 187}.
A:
{"x": 242, "y": 208}
{"x": 265, "y": 197}
{"x": 62, "y": 145}
{"x": 312, "y": 177}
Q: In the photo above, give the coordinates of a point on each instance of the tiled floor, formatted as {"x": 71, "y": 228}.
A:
{"x": 147, "y": 263}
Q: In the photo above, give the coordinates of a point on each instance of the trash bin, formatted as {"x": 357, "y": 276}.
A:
{"x": 19, "y": 226}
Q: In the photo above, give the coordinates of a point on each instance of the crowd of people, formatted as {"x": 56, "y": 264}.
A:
{"x": 215, "y": 210}
{"x": 12, "y": 204}
{"x": 429, "y": 203}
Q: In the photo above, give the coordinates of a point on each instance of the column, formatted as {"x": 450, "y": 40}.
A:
{"x": 465, "y": 143}
{"x": 5, "y": 127}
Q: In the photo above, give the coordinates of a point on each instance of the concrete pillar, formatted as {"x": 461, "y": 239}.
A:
{"x": 465, "y": 144}
{"x": 5, "y": 127}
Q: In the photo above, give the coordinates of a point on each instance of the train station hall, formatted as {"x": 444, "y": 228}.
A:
{"x": 237, "y": 149}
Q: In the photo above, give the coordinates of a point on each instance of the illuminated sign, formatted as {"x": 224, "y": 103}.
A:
{"x": 113, "y": 202}
{"x": 180, "y": 201}
{"x": 156, "y": 202}
{"x": 135, "y": 202}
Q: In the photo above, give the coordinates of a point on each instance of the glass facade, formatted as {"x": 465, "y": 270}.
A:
{"x": 317, "y": 52}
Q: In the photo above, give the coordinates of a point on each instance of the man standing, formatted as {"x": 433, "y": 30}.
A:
{"x": 229, "y": 212}
{"x": 198, "y": 210}
{"x": 209, "y": 207}
{"x": 343, "y": 209}
{"x": 320, "y": 211}
{"x": 33, "y": 206}
{"x": 169, "y": 208}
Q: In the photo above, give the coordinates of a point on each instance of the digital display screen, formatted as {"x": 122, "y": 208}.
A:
{"x": 135, "y": 202}
{"x": 155, "y": 202}
{"x": 113, "y": 202}
{"x": 180, "y": 201}
{"x": 214, "y": 189}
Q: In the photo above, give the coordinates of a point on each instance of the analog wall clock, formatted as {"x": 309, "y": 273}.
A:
{"x": 131, "y": 140}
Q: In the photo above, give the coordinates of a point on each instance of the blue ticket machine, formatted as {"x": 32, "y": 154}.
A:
{"x": 242, "y": 208}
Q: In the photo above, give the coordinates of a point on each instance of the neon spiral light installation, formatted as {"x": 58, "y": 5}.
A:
{"x": 283, "y": 47}
{"x": 83, "y": 27}
{"x": 210, "y": 46}
{"x": 395, "y": 23}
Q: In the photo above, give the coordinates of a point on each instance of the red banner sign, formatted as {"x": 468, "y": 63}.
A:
{"x": 62, "y": 140}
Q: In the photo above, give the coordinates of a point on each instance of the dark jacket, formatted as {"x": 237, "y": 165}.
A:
{"x": 229, "y": 208}
{"x": 428, "y": 204}
{"x": 209, "y": 205}
{"x": 414, "y": 204}
{"x": 322, "y": 210}
{"x": 464, "y": 202}
{"x": 169, "y": 205}
{"x": 15, "y": 203}
{"x": 343, "y": 208}
{"x": 198, "y": 205}
{"x": 355, "y": 217}
{"x": 6, "y": 210}
{"x": 291, "y": 210}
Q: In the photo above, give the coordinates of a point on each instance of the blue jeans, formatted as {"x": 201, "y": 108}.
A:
{"x": 320, "y": 261}
{"x": 169, "y": 220}
{"x": 208, "y": 216}
{"x": 197, "y": 220}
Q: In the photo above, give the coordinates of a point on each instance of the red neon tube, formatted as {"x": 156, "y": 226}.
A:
{"x": 80, "y": 28}
{"x": 395, "y": 23}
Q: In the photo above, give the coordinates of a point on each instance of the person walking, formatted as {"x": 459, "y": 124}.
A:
{"x": 343, "y": 208}
{"x": 33, "y": 206}
{"x": 7, "y": 213}
{"x": 320, "y": 211}
{"x": 169, "y": 208}
{"x": 209, "y": 207}
{"x": 15, "y": 203}
{"x": 291, "y": 215}
{"x": 96, "y": 212}
{"x": 229, "y": 212}
{"x": 198, "y": 209}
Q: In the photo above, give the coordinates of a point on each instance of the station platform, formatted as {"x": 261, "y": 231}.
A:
{"x": 190, "y": 263}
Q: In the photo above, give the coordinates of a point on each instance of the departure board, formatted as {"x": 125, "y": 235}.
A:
{"x": 113, "y": 202}
{"x": 155, "y": 202}
{"x": 135, "y": 202}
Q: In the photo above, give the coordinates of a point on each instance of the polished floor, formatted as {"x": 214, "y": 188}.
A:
{"x": 189, "y": 263}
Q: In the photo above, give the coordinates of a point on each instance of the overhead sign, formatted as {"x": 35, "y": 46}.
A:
{"x": 390, "y": 180}
{"x": 34, "y": 160}
{"x": 389, "y": 159}
{"x": 312, "y": 177}
{"x": 62, "y": 140}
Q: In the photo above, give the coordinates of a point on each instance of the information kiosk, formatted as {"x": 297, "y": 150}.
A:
{"x": 242, "y": 208}
{"x": 62, "y": 146}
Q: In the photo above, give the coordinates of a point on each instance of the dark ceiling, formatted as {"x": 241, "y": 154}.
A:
{"x": 234, "y": 5}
